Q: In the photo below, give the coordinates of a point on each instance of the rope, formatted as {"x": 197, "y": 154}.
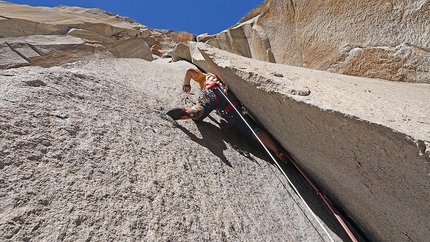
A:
{"x": 324, "y": 198}
{"x": 280, "y": 168}
{"x": 327, "y": 202}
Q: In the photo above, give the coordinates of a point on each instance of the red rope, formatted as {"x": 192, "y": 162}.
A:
{"x": 326, "y": 201}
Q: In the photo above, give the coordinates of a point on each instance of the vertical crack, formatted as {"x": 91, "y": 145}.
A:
{"x": 292, "y": 5}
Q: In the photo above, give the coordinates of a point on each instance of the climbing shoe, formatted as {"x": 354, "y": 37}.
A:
{"x": 282, "y": 156}
{"x": 183, "y": 113}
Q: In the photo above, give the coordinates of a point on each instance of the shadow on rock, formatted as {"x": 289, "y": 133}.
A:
{"x": 317, "y": 205}
{"x": 215, "y": 135}
{"x": 214, "y": 138}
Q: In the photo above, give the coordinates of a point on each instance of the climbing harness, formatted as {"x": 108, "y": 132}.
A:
{"x": 319, "y": 193}
{"x": 208, "y": 95}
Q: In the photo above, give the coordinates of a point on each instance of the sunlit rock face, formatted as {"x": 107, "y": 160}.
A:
{"x": 51, "y": 36}
{"x": 101, "y": 118}
{"x": 379, "y": 39}
{"x": 365, "y": 141}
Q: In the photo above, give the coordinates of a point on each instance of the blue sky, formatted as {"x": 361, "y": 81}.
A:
{"x": 194, "y": 16}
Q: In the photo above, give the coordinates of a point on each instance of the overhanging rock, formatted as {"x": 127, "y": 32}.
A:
{"x": 366, "y": 142}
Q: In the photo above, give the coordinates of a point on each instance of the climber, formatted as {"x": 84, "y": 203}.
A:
{"x": 214, "y": 94}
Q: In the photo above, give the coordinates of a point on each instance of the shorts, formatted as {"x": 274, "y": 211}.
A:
{"x": 210, "y": 103}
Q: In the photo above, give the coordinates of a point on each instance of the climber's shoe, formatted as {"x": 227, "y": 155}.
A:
{"x": 183, "y": 113}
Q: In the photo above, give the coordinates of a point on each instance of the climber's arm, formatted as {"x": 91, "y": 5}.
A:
{"x": 190, "y": 74}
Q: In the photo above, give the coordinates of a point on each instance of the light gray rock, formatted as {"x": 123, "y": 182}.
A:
{"x": 366, "y": 141}
{"x": 393, "y": 37}
{"x": 10, "y": 58}
{"x": 89, "y": 154}
{"x": 180, "y": 52}
{"x": 51, "y": 50}
{"x": 204, "y": 37}
{"x": 130, "y": 48}
{"x": 213, "y": 42}
{"x": 89, "y": 36}
{"x": 51, "y": 36}
{"x": 87, "y": 151}
{"x": 191, "y": 53}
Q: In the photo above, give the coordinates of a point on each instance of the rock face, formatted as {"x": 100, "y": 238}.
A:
{"x": 87, "y": 154}
{"x": 366, "y": 141}
{"x": 47, "y": 37}
{"x": 380, "y": 39}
